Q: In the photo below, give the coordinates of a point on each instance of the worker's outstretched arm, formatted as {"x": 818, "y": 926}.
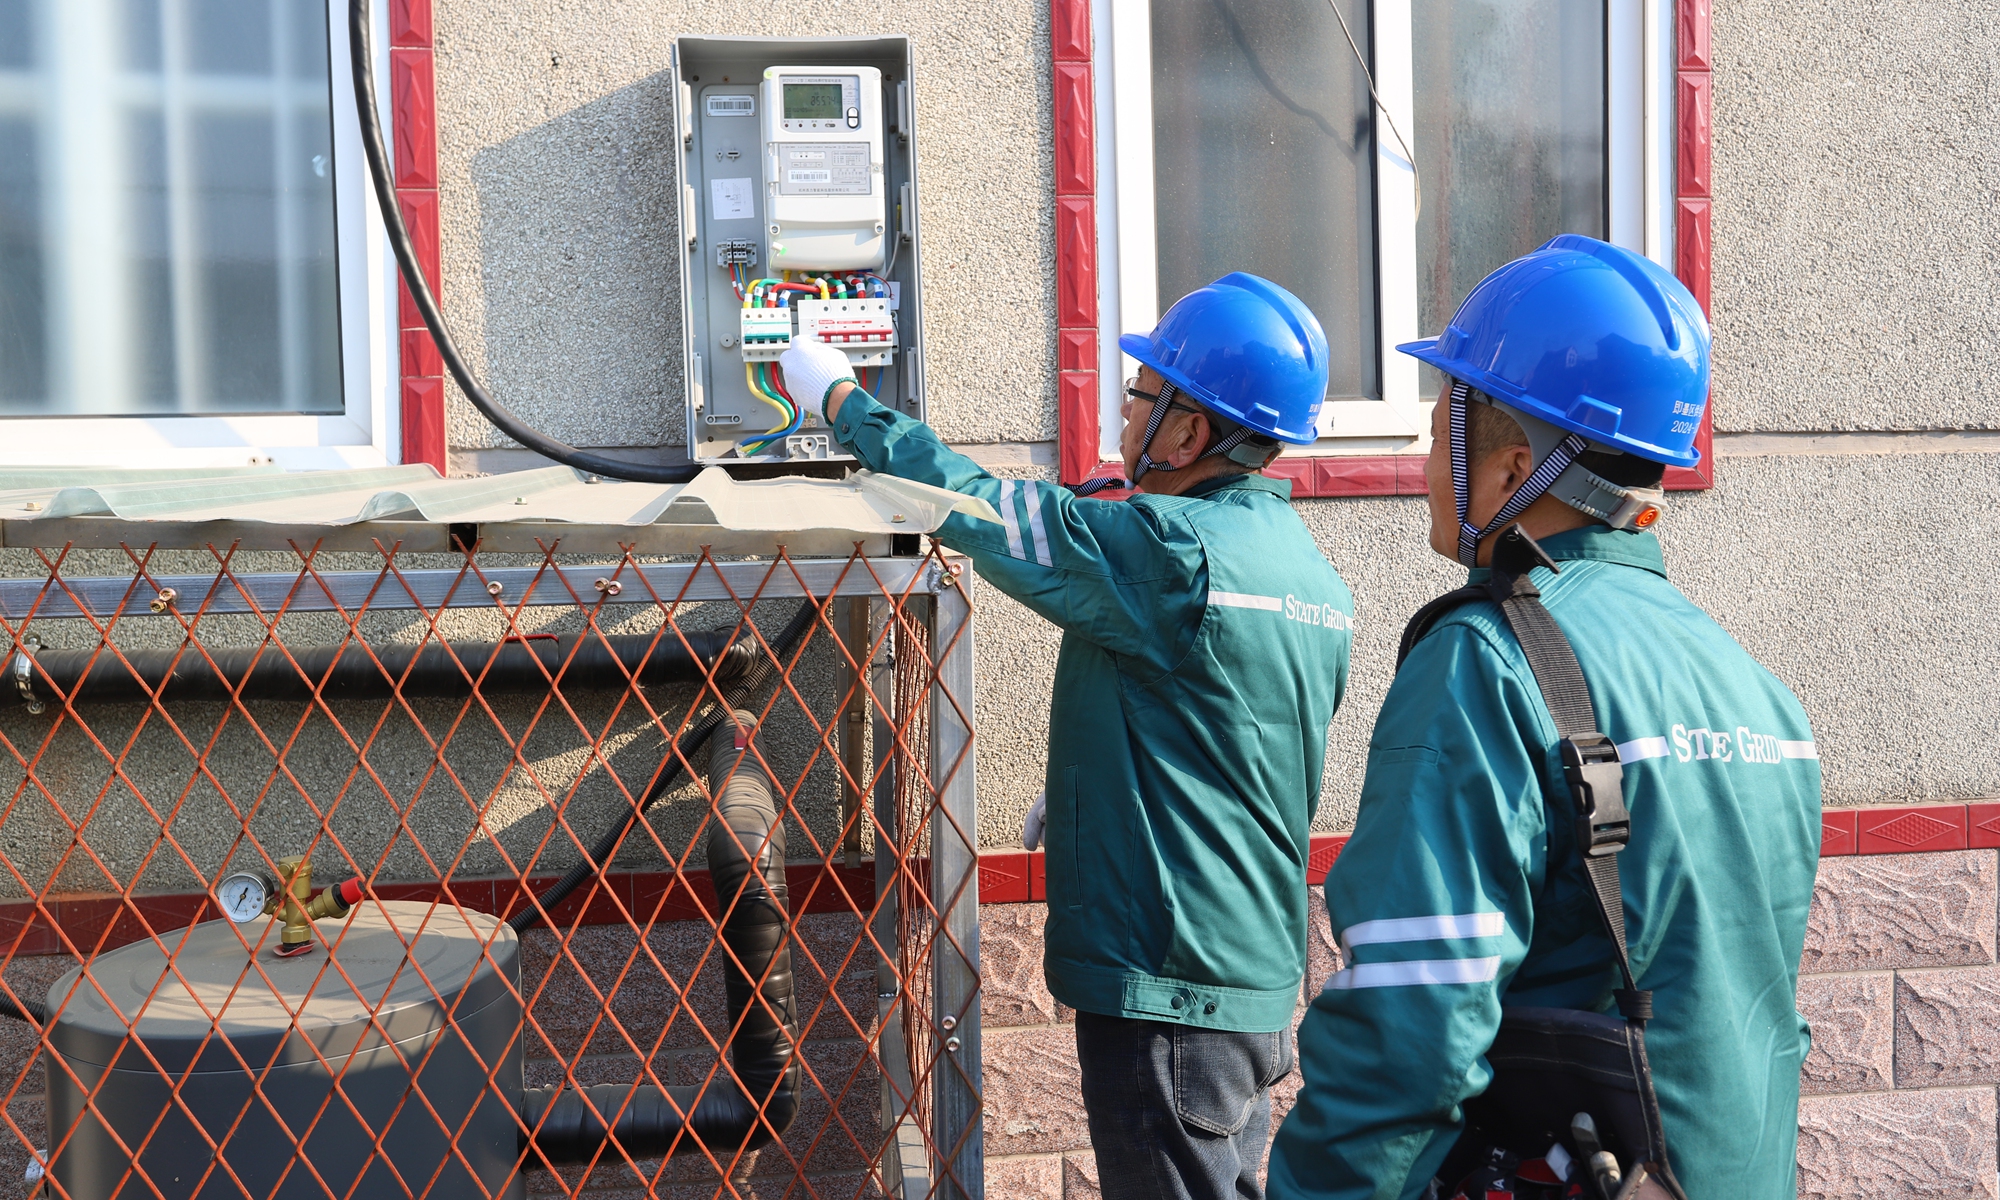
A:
{"x": 1062, "y": 557}
{"x": 1432, "y": 902}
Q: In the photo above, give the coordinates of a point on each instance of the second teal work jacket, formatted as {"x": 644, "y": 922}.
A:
{"x": 1461, "y": 894}
{"x": 1205, "y": 645}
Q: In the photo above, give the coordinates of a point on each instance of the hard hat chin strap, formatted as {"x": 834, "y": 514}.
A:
{"x": 1538, "y": 481}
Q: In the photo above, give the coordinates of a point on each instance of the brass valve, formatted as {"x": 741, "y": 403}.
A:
{"x": 294, "y": 901}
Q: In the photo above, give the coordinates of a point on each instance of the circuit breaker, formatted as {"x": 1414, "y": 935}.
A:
{"x": 798, "y": 187}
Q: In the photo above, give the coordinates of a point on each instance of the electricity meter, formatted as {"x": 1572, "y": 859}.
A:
{"x": 825, "y": 200}
{"x": 797, "y": 177}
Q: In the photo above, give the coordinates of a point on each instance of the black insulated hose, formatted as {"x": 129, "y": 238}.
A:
{"x": 578, "y": 662}
{"x": 746, "y": 858}
{"x": 359, "y": 28}
{"x": 25, "y": 1010}
{"x": 749, "y": 682}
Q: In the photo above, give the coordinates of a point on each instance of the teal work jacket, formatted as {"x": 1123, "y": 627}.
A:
{"x": 1205, "y": 645}
{"x": 1460, "y": 891}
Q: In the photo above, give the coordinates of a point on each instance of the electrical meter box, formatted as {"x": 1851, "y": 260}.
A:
{"x": 798, "y": 190}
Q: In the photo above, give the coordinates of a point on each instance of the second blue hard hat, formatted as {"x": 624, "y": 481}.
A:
{"x": 1591, "y": 338}
{"x": 1246, "y": 348}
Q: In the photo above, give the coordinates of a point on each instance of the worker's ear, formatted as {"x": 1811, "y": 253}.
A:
{"x": 1188, "y": 436}
{"x": 1495, "y": 479}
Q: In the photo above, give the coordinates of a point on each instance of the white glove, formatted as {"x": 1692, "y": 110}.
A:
{"x": 1038, "y": 819}
{"x": 811, "y": 369}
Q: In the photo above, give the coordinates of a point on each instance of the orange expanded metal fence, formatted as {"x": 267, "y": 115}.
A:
{"x": 369, "y": 874}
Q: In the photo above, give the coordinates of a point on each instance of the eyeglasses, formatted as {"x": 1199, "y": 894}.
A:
{"x": 1132, "y": 390}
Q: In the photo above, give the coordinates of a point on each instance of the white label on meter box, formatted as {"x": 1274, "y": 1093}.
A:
{"x": 731, "y": 199}
{"x": 732, "y": 106}
{"x": 824, "y": 169}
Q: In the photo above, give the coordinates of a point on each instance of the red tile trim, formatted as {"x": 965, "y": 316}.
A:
{"x": 1691, "y": 28}
{"x": 1695, "y": 110}
{"x": 1076, "y": 410}
{"x": 413, "y": 96}
{"x": 410, "y": 22}
{"x": 1321, "y": 851}
{"x": 1069, "y": 30}
{"x": 1908, "y": 829}
{"x": 1078, "y": 428}
{"x": 658, "y": 896}
{"x": 1076, "y": 350}
{"x": 1005, "y": 877}
{"x": 410, "y": 84}
{"x": 1692, "y": 246}
{"x": 1074, "y": 102}
{"x": 1076, "y": 158}
{"x": 423, "y": 415}
{"x": 1982, "y": 826}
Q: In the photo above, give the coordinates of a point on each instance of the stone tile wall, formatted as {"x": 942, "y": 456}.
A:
{"x": 1903, "y": 993}
{"x": 1899, "y": 981}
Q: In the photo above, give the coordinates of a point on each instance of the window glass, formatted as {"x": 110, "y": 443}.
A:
{"x": 1510, "y": 138}
{"x": 1263, "y": 160}
{"x": 166, "y": 208}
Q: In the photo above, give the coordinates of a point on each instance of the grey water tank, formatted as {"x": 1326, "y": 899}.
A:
{"x": 217, "y": 1021}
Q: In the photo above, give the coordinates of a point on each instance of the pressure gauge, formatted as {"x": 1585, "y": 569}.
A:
{"x": 242, "y": 896}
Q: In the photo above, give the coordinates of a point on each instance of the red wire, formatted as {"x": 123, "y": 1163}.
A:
{"x": 776, "y": 379}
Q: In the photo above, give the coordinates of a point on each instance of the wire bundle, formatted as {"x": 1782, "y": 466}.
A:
{"x": 765, "y": 383}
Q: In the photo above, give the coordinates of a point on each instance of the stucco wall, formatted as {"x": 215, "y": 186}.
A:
{"x": 1851, "y": 293}
{"x": 559, "y": 215}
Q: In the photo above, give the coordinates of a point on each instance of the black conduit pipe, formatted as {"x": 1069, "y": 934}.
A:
{"x": 746, "y": 858}
{"x": 360, "y": 27}
{"x": 748, "y": 683}
{"x": 24, "y": 1010}
{"x": 349, "y": 673}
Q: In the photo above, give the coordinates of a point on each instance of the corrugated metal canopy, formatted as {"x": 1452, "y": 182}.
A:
{"x": 262, "y": 507}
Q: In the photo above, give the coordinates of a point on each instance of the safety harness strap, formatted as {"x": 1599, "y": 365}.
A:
{"x": 1589, "y": 758}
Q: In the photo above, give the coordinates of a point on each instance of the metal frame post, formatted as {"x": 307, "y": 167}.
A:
{"x": 957, "y": 1080}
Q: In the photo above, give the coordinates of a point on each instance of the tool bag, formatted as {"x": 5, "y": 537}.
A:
{"x": 1550, "y": 1064}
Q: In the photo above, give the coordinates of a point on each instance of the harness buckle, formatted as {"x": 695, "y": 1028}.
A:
{"x": 1597, "y": 783}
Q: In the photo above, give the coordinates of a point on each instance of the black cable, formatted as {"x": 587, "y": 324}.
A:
{"x": 27, "y": 1009}
{"x": 747, "y": 685}
{"x": 359, "y": 19}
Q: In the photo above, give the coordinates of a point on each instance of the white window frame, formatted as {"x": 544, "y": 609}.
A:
{"x": 367, "y": 434}
{"x": 1639, "y": 128}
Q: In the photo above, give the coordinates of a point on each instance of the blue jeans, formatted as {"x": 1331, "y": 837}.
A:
{"x": 1178, "y": 1113}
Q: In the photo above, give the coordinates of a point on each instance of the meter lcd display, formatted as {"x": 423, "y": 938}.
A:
{"x": 812, "y": 101}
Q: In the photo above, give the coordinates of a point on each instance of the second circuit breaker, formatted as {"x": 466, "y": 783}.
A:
{"x": 860, "y": 326}
{"x": 766, "y": 333}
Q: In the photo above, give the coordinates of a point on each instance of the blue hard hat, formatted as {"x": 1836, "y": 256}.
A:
{"x": 1590, "y": 338}
{"x": 1246, "y": 348}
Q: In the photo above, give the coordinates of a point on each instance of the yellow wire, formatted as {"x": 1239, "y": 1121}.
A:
{"x": 757, "y": 390}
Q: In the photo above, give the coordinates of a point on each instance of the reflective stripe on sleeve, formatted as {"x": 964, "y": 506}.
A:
{"x": 1424, "y": 929}
{"x": 1409, "y": 974}
{"x": 1641, "y": 749}
{"x": 1008, "y": 519}
{"x": 1797, "y": 750}
{"x": 1246, "y": 600}
{"x": 1033, "y": 495}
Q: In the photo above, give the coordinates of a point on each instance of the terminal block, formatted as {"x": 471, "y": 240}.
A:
{"x": 767, "y": 332}
{"x": 862, "y": 326}
{"x": 735, "y": 252}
